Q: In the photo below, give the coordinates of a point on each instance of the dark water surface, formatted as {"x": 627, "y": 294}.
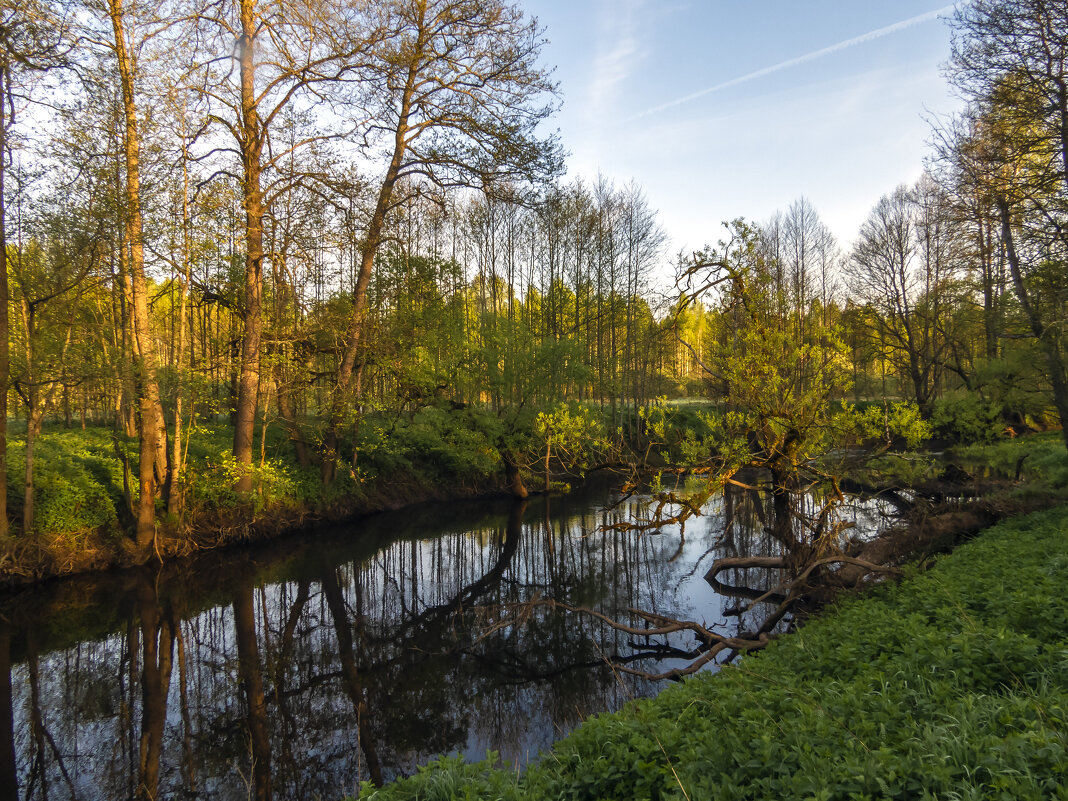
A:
{"x": 307, "y": 664}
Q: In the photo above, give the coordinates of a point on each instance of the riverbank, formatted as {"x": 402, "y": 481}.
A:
{"x": 953, "y": 681}
{"x": 86, "y": 483}
{"x": 83, "y": 496}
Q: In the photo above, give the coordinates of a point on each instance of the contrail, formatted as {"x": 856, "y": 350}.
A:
{"x": 879, "y": 33}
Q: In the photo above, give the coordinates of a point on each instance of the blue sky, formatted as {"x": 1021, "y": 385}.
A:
{"x": 728, "y": 108}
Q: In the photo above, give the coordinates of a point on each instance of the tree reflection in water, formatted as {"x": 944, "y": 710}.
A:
{"x": 299, "y": 668}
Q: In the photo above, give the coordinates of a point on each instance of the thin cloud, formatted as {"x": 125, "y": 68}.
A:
{"x": 879, "y": 33}
{"x": 617, "y": 55}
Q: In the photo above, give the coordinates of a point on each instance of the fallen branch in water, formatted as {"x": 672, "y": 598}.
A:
{"x": 714, "y": 644}
{"x": 742, "y": 563}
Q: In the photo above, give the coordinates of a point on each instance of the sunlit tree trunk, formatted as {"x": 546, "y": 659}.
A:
{"x": 153, "y": 438}
{"x": 248, "y": 378}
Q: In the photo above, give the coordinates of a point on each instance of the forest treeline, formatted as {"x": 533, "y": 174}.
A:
{"x": 298, "y": 217}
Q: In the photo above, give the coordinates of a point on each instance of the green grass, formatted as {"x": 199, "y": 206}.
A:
{"x": 952, "y": 685}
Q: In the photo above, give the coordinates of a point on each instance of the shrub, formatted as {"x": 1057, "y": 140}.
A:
{"x": 1040, "y": 458}
{"x": 900, "y": 421}
{"x": 966, "y": 419}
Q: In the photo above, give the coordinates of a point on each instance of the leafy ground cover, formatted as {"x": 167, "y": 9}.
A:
{"x": 951, "y": 684}
{"x": 82, "y": 477}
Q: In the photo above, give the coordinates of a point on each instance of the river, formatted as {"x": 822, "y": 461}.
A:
{"x": 358, "y": 652}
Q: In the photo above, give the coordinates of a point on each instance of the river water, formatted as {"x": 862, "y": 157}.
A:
{"x": 359, "y": 652}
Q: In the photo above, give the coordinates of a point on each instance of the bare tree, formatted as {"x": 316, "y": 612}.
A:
{"x": 455, "y": 99}
{"x": 900, "y": 264}
{"x": 268, "y": 58}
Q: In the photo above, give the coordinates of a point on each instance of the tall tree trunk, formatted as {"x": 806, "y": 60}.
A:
{"x": 248, "y": 384}
{"x": 368, "y": 251}
{"x": 152, "y": 423}
{"x": 5, "y": 355}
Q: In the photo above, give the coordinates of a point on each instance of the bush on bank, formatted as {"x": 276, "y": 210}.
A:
{"x": 951, "y": 684}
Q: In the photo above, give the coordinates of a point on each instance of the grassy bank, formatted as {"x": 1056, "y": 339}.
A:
{"x": 86, "y": 481}
{"x": 951, "y": 684}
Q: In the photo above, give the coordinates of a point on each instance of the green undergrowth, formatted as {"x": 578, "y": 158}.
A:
{"x": 82, "y": 476}
{"x": 952, "y": 684}
{"x": 1041, "y": 458}
{"x": 1036, "y": 463}
{"x": 78, "y": 482}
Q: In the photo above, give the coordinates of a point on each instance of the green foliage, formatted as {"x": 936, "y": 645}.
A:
{"x": 511, "y": 363}
{"x": 573, "y": 433}
{"x": 438, "y": 444}
{"x": 1016, "y": 383}
{"x": 1009, "y": 388}
{"x": 696, "y": 427}
{"x": 1040, "y": 459}
{"x": 967, "y": 419}
{"x": 885, "y": 423}
{"x": 80, "y": 483}
{"x": 451, "y": 779}
{"x": 779, "y": 371}
{"x": 950, "y": 685}
{"x": 77, "y": 483}
{"x": 79, "y": 486}
{"x": 278, "y": 482}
